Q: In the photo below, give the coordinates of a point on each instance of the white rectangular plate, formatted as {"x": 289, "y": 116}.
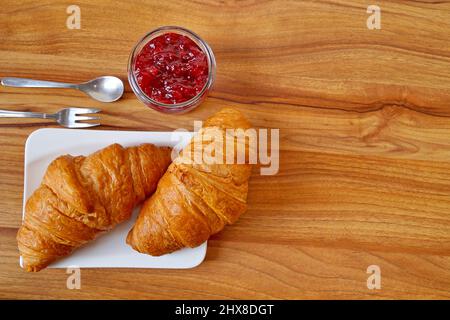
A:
{"x": 108, "y": 250}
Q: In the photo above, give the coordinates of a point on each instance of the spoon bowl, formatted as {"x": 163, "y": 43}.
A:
{"x": 104, "y": 89}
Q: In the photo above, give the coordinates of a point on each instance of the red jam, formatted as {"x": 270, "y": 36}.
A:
{"x": 171, "y": 68}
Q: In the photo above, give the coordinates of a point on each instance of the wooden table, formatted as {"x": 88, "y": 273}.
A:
{"x": 364, "y": 119}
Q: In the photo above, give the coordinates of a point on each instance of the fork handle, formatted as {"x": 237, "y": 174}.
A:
{"x": 30, "y": 83}
{"x": 24, "y": 114}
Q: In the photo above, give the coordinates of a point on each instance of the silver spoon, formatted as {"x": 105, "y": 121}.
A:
{"x": 104, "y": 89}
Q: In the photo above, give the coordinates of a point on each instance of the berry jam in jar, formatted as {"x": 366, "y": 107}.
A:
{"x": 171, "y": 69}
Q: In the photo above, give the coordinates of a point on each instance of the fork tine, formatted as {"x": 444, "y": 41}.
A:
{"x": 84, "y": 110}
{"x": 82, "y": 125}
{"x": 94, "y": 110}
{"x": 81, "y": 118}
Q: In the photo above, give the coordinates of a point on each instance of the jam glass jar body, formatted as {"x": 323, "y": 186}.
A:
{"x": 177, "y": 107}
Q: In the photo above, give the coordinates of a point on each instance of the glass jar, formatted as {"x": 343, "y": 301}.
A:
{"x": 176, "y": 107}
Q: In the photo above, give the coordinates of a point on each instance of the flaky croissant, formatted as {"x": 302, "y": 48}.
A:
{"x": 195, "y": 199}
{"x": 80, "y": 197}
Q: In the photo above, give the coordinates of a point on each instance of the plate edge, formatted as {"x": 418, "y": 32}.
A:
{"x": 38, "y": 132}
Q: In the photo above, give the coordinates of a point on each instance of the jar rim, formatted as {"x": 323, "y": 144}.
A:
{"x": 191, "y": 35}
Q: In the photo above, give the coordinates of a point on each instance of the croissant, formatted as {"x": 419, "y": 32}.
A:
{"x": 195, "y": 199}
{"x": 81, "y": 197}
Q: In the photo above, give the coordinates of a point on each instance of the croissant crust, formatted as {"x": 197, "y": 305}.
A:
{"x": 81, "y": 197}
{"x": 193, "y": 199}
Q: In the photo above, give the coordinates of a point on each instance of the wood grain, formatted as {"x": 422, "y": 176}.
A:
{"x": 364, "y": 119}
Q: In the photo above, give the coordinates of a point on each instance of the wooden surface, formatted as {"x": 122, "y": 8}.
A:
{"x": 364, "y": 119}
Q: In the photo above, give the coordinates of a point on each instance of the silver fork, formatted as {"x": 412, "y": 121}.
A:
{"x": 68, "y": 117}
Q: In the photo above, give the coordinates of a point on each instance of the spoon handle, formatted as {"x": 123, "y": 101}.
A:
{"x": 30, "y": 83}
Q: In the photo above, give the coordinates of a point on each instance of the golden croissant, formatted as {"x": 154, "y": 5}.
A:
{"x": 80, "y": 197}
{"x": 195, "y": 199}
